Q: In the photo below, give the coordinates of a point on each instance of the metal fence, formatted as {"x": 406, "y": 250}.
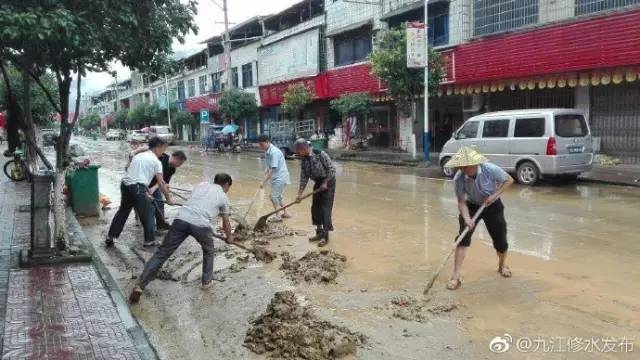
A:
{"x": 584, "y": 7}
{"x": 615, "y": 118}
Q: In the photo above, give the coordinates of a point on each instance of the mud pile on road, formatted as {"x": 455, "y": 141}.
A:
{"x": 411, "y": 309}
{"x": 322, "y": 266}
{"x": 288, "y": 330}
{"x": 273, "y": 231}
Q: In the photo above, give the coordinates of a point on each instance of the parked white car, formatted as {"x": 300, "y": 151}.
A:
{"x": 114, "y": 134}
{"x": 139, "y": 136}
{"x": 529, "y": 143}
{"x": 163, "y": 132}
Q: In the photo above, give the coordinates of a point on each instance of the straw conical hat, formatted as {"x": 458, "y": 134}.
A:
{"x": 466, "y": 156}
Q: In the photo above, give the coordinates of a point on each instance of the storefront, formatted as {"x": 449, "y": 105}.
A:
{"x": 615, "y": 120}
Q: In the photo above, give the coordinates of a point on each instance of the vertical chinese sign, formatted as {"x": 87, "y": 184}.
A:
{"x": 416, "y": 45}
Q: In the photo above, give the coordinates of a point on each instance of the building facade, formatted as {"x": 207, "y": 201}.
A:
{"x": 497, "y": 55}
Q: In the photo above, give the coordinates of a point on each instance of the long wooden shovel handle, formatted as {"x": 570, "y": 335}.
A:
{"x": 253, "y": 201}
{"x": 293, "y": 203}
{"x": 453, "y": 249}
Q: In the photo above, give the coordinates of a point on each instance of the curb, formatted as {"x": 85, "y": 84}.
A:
{"x": 402, "y": 163}
{"x": 138, "y": 335}
{"x": 607, "y": 182}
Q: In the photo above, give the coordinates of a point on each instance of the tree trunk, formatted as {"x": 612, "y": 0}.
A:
{"x": 29, "y": 126}
{"x": 62, "y": 150}
{"x": 62, "y": 147}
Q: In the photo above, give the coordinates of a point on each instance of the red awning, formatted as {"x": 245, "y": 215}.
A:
{"x": 209, "y": 102}
{"x": 327, "y": 85}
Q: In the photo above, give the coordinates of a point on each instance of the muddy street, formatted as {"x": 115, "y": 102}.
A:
{"x": 573, "y": 252}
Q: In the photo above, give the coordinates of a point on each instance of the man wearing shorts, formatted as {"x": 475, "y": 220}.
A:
{"x": 477, "y": 183}
{"x": 276, "y": 173}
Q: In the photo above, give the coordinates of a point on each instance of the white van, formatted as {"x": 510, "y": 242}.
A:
{"x": 528, "y": 143}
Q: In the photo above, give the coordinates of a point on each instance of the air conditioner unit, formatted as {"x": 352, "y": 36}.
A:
{"x": 472, "y": 103}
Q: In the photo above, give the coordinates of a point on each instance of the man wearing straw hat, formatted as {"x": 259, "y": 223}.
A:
{"x": 478, "y": 182}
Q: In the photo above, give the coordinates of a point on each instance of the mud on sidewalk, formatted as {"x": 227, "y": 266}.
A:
{"x": 288, "y": 330}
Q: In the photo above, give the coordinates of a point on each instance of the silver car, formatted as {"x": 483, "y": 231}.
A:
{"x": 529, "y": 143}
{"x": 163, "y": 132}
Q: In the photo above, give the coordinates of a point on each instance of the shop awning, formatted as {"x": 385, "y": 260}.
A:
{"x": 597, "y": 77}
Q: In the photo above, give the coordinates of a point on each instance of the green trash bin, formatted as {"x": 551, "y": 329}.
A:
{"x": 319, "y": 144}
{"x": 84, "y": 190}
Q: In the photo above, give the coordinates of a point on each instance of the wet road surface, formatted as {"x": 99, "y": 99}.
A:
{"x": 574, "y": 252}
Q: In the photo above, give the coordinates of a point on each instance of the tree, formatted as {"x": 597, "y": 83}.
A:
{"x": 120, "y": 119}
{"x": 389, "y": 63}
{"x": 354, "y": 104}
{"x": 185, "y": 118}
{"x": 68, "y": 37}
{"x": 295, "y": 99}
{"x": 143, "y": 115}
{"x": 41, "y": 109}
{"x": 90, "y": 121}
{"x": 235, "y": 104}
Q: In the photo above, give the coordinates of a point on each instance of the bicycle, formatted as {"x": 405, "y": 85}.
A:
{"x": 16, "y": 169}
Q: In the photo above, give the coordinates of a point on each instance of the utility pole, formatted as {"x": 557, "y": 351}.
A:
{"x": 227, "y": 45}
{"x": 166, "y": 89}
{"x": 425, "y": 137}
{"x": 115, "y": 76}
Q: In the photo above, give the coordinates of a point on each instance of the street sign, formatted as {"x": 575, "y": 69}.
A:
{"x": 162, "y": 101}
{"x": 416, "y": 45}
{"x": 204, "y": 116}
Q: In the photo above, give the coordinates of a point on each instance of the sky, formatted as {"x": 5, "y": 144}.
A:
{"x": 210, "y": 21}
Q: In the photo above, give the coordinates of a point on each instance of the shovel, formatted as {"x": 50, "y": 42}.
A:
{"x": 260, "y": 254}
{"x": 262, "y": 222}
{"x": 453, "y": 249}
{"x": 251, "y": 204}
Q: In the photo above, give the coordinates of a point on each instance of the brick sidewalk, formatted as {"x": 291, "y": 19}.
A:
{"x": 52, "y": 312}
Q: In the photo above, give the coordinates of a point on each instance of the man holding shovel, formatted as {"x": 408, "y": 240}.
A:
{"x": 317, "y": 165}
{"x": 276, "y": 173}
{"x": 135, "y": 192}
{"x": 169, "y": 166}
{"x": 207, "y": 202}
{"x": 477, "y": 183}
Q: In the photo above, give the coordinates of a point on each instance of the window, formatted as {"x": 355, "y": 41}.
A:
{"x": 173, "y": 94}
{"x": 181, "y": 90}
{"x": 533, "y": 127}
{"x": 571, "y": 126}
{"x": 468, "y": 131}
{"x": 216, "y": 82}
{"x": 492, "y": 16}
{"x": 192, "y": 87}
{"x": 592, "y": 6}
{"x": 438, "y": 24}
{"x": 202, "y": 82}
{"x": 495, "y": 129}
{"x": 352, "y": 47}
{"x": 247, "y": 75}
{"x": 234, "y": 77}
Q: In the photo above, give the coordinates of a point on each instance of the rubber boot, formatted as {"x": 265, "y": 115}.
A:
{"x": 319, "y": 235}
{"x": 325, "y": 239}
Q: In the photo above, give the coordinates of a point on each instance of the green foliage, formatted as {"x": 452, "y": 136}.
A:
{"x": 70, "y": 36}
{"x": 235, "y": 104}
{"x": 295, "y": 99}
{"x": 90, "y": 121}
{"x": 389, "y": 63}
{"x": 353, "y": 104}
{"x": 41, "y": 108}
{"x": 143, "y": 115}
{"x": 184, "y": 118}
{"x": 120, "y": 119}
